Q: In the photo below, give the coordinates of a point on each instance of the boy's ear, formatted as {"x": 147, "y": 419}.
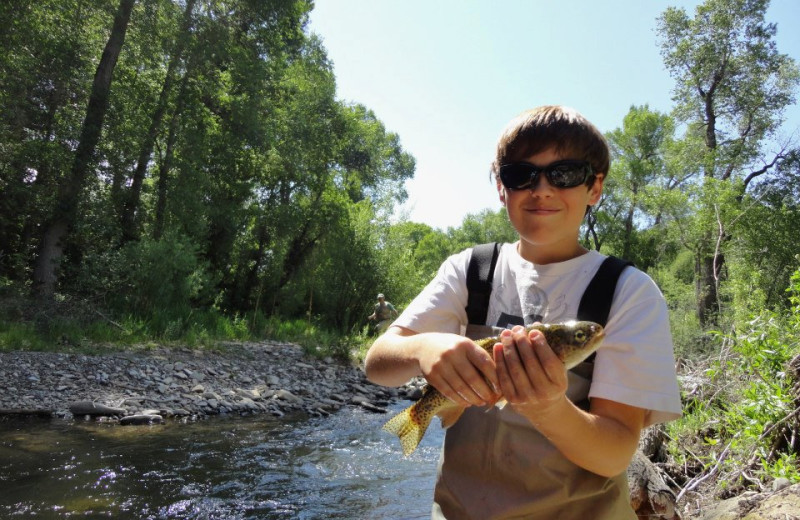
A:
{"x": 501, "y": 192}
{"x": 596, "y": 190}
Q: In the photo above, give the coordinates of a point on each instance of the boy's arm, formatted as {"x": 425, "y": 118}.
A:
{"x": 534, "y": 381}
{"x": 453, "y": 364}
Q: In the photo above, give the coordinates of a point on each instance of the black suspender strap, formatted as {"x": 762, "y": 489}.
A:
{"x": 480, "y": 273}
{"x": 596, "y": 301}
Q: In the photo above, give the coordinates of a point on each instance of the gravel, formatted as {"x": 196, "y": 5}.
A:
{"x": 152, "y": 385}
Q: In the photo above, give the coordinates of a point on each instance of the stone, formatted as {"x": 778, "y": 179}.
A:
{"x": 141, "y": 419}
{"x": 286, "y": 395}
{"x": 94, "y": 409}
{"x": 372, "y": 408}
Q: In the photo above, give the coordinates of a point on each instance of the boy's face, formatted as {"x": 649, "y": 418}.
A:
{"x": 548, "y": 219}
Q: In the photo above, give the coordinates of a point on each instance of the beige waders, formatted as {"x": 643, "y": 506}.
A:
{"x": 495, "y": 465}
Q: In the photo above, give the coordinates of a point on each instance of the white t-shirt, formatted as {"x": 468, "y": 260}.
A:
{"x": 635, "y": 365}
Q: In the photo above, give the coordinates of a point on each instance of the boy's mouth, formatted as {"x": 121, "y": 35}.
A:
{"x": 542, "y": 211}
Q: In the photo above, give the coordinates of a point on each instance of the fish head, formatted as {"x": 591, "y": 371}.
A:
{"x": 574, "y": 341}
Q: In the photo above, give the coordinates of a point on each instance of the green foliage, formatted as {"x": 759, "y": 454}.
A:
{"x": 676, "y": 282}
{"x": 315, "y": 340}
{"x": 482, "y": 227}
{"x": 748, "y": 421}
{"x": 627, "y": 220}
{"x": 161, "y": 278}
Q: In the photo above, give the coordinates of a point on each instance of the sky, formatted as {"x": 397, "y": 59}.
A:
{"x": 447, "y": 75}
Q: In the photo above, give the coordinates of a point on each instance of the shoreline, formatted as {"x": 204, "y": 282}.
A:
{"x": 139, "y": 386}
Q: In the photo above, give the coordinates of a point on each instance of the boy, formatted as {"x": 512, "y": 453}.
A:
{"x": 542, "y": 455}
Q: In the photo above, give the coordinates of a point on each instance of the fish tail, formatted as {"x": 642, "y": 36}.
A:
{"x": 411, "y": 424}
{"x": 408, "y": 430}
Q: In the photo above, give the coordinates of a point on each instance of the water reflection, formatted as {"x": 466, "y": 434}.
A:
{"x": 342, "y": 466}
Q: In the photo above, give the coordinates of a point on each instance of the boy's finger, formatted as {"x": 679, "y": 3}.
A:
{"x": 469, "y": 383}
{"x": 484, "y": 362}
{"x": 503, "y": 376}
{"x": 442, "y": 382}
{"x": 550, "y": 365}
{"x": 514, "y": 366}
{"x": 527, "y": 355}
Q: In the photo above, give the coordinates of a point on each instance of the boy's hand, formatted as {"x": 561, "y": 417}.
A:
{"x": 532, "y": 378}
{"x": 461, "y": 370}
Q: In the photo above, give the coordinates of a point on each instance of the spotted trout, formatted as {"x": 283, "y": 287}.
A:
{"x": 571, "y": 341}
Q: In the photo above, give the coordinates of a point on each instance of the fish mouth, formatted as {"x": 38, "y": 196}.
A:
{"x": 598, "y": 340}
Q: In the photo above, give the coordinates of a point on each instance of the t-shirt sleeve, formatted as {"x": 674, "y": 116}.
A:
{"x": 440, "y": 307}
{"x": 635, "y": 365}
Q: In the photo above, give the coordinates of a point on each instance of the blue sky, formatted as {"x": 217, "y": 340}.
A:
{"x": 447, "y": 75}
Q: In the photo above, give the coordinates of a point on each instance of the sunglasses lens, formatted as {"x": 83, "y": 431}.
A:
{"x": 568, "y": 174}
{"x": 517, "y": 176}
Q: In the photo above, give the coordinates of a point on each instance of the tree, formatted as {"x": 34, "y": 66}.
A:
{"x": 732, "y": 86}
{"x": 70, "y": 189}
{"x": 46, "y": 51}
{"x": 629, "y": 211}
{"x": 131, "y": 202}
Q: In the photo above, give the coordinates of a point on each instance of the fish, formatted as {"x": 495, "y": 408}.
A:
{"x": 571, "y": 341}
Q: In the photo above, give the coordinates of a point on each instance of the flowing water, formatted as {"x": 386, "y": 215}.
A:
{"x": 342, "y": 466}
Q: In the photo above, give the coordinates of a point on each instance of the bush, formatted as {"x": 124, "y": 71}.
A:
{"x": 742, "y": 425}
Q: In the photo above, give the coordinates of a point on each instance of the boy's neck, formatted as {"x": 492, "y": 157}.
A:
{"x": 542, "y": 255}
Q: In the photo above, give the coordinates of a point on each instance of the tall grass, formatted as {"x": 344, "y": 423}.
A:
{"x": 75, "y": 327}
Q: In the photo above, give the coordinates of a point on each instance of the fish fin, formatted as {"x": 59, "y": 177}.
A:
{"x": 450, "y": 414}
{"x": 408, "y": 430}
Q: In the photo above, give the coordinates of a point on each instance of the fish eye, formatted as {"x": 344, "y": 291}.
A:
{"x": 580, "y": 335}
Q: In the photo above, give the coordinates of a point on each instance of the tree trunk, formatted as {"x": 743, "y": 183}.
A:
{"x": 627, "y": 243}
{"x": 651, "y": 498}
{"x": 166, "y": 163}
{"x": 131, "y": 205}
{"x": 51, "y": 246}
{"x": 706, "y": 288}
{"x": 255, "y": 259}
{"x": 299, "y": 250}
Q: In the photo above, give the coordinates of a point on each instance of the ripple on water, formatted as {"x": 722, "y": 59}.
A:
{"x": 342, "y": 466}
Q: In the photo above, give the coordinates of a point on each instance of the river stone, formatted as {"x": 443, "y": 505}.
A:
{"x": 286, "y": 395}
{"x": 94, "y": 409}
{"x": 372, "y": 408}
{"x": 141, "y": 419}
{"x": 249, "y": 394}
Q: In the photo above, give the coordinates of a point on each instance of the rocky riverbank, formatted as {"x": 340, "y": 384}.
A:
{"x": 157, "y": 384}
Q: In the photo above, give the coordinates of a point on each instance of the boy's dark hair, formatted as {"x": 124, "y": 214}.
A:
{"x": 552, "y": 126}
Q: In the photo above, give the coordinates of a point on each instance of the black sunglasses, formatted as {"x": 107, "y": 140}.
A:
{"x": 560, "y": 174}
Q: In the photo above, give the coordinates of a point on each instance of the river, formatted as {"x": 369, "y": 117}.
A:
{"x": 342, "y": 466}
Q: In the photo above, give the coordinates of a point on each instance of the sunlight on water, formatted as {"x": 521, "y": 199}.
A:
{"x": 342, "y": 466}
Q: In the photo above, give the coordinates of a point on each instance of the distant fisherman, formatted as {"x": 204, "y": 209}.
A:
{"x": 561, "y": 445}
{"x": 384, "y": 313}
